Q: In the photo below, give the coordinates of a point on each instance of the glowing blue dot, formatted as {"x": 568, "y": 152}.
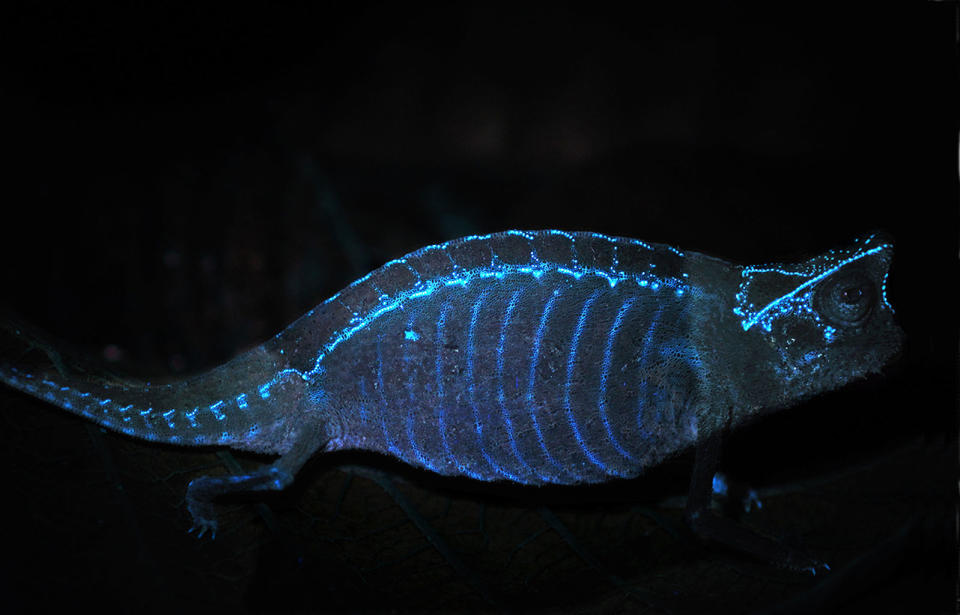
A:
{"x": 411, "y": 335}
{"x": 719, "y": 484}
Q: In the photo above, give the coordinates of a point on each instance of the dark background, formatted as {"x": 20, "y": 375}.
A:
{"x": 181, "y": 182}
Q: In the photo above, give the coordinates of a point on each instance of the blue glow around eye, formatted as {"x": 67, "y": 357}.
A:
{"x": 794, "y": 302}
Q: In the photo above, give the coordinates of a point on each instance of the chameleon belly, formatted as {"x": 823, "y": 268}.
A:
{"x": 532, "y": 357}
{"x": 550, "y": 379}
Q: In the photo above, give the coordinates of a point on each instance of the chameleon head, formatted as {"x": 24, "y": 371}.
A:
{"x": 817, "y": 325}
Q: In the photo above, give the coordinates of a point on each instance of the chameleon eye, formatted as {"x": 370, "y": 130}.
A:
{"x": 851, "y": 295}
{"x": 846, "y": 299}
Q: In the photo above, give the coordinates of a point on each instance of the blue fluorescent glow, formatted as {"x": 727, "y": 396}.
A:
{"x": 363, "y": 401}
{"x": 883, "y": 294}
{"x": 766, "y": 314}
{"x": 568, "y": 384}
{"x": 573, "y": 273}
{"x": 391, "y": 446}
{"x": 719, "y": 484}
{"x": 648, "y": 347}
{"x": 420, "y": 288}
{"x": 501, "y": 398}
{"x": 526, "y": 235}
{"x": 605, "y": 375}
{"x": 532, "y": 380}
{"x": 411, "y": 438}
{"x": 829, "y": 333}
{"x": 215, "y": 408}
{"x": 412, "y": 405}
{"x": 463, "y": 277}
{"x": 441, "y": 409}
{"x": 471, "y": 387}
{"x": 556, "y": 232}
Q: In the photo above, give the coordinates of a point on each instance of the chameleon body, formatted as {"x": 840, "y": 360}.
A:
{"x": 533, "y": 357}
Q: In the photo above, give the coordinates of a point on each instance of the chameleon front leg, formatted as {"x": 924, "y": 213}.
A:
{"x": 311, "y": 437}
{"x": 710, "y": 526}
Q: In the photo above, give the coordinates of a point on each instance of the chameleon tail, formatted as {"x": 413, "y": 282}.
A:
{"x": 221, "y": 407}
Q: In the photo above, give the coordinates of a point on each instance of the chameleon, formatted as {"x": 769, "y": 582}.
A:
{"x": 533, "y": 357}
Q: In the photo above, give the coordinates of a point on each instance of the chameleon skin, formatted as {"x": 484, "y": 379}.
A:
{"x": 532, "y": 357}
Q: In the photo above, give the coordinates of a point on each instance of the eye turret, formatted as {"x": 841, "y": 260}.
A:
{"x": 846, "y": 299}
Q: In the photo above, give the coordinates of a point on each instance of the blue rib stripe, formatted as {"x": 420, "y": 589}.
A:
{"x": 412, "y": 404}
{"x": 531, "y": 406}
{"x": 471, "y": 386}
{"x": 568, "y": 385}
{"x": 605, "y": 375}
{"x": 500, "y": 394}
{"x": 383, "y": 407}
{"x": 647, "y": 349}
{"x": 441, "y": 421}
{"x": 363, "y": 401}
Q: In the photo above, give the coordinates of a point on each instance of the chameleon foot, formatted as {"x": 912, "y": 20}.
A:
{"x": 200, "y": 505}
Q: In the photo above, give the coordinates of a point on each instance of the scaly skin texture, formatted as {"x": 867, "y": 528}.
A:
{"x": 533, "y": 357}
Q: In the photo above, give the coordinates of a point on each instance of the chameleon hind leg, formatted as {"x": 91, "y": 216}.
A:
{"x": 710, "y": 526}
{"x": 277, "y": 476}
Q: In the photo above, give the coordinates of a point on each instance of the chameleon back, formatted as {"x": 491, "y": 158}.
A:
{"x": 543, "y": 357}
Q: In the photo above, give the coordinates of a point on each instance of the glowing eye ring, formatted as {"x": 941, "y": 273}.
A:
{"x": 846, "y": 299}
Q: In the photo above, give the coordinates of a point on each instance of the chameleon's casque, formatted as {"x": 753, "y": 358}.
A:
{"x": 533, "y": 357}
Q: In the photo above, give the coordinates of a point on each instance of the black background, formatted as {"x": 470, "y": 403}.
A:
{"x": 181, "y": 182}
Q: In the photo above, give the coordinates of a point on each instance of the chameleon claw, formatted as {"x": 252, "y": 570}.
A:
{"x": 202, "y": 526}
{"x": 751, "y": 500}
{"x": 814, "y": 567}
